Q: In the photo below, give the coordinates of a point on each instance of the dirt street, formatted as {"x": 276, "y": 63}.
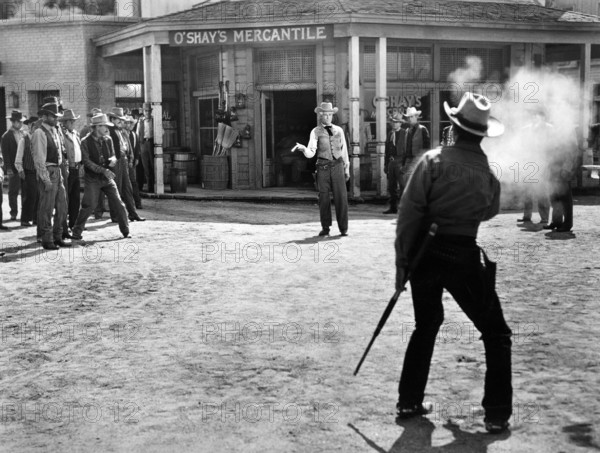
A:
{"x": 229, "y": 327}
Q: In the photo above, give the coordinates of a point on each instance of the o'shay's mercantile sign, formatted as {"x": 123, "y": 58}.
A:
{"x": 251, "y": 35}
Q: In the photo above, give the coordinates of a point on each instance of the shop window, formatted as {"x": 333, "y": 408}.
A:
{"x": 130, "y": 96}
{"x": 207, "y": 72}
{"x": 492, "y": 61}
{"x": 296, "y": 65}
{"x": 403, "y": 62}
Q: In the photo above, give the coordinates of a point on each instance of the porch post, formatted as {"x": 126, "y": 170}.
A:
{"x": 380, "y": 102}
{"x": 354, "y": 115}
{"x": 586, "y": 105}
{"x": 153, "y": 95}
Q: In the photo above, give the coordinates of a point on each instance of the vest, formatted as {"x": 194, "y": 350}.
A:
{"x": 98, "y": 153}
{"x": 328, "y": 146}
{"x": 51, "y": 147}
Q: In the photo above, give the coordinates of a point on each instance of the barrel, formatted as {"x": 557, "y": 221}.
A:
{"x": 187, "y": 162}
{"x": 178, "y": 180}
{"x": 366, "y": 175}
{"x": 167, "y": 165}
{"x": 215, "y": 172}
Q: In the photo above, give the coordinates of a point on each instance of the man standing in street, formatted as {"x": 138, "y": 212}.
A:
{"x": 29, "y": 185}
{"x": 417, "y": 142}
{"x": 8, "y": 145}
{"x": 145, "y": 132}
{"x": 333, "y": 168}
{"x": 98, "y": 158}
{"x": 124, "y": 155}
{"x": 47, "y": 157}
{"x": 73, "y": 151}
{"x": 458, "y": 205}
{"x": 133, "y": 165}
{"x": 394, "y": 155}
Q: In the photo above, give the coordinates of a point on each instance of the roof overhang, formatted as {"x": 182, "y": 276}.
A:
{"x": 156, "y": 31}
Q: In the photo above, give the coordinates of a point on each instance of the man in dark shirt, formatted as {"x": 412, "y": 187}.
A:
{"x": 98, "y": 158}
{"x": 457, "y": 205}
{"x": 8, "y": 145}
{"x": 394, "y": 155}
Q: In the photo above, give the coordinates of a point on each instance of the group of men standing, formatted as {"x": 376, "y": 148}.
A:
{"x": 44, "y": 164}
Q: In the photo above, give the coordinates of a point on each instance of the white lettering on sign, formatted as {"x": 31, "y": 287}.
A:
{"x": 276, "y": 34}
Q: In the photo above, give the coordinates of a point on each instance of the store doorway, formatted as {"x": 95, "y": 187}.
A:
{"x": 287, "y": 118}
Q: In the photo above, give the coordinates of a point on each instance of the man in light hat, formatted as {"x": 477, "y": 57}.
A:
{"x": 417, "y": 142}
{"x": 73, "y": 151}
{"x": 98, "y": 159}
{"x": 8, "y": 146}
{"x": 394, "y": 155}
{"x": 124, "y": 154}
{"x": 454, "y": 188}
{"x": 328, "y": 142}
{"x": 26, "y": 168}
{"x": 46, "y": 147}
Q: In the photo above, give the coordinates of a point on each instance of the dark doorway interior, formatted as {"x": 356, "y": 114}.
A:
{"x": 294, "y": 119}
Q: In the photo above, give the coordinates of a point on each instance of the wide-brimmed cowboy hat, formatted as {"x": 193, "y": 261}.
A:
{"x": 473, "y": 115}
{"x": 326, "y": 107}
{"x": 412, "y": 111}
{"x": 396, "y": 117}
{"x": 94, "y": 111}
{"x": 30, "y": 120}
{"x": 50, "y": 109}
{"x": 117, "y": 112}
{"x": 100, "y": 119}
{"x": 129, "y": 119}
{"x": 69, "y": 114}
{"x": 16, "y": 115}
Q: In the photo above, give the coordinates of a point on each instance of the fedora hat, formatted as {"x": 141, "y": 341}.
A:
{"x": 16, "y": 115}
{"x": 100, "y": 119}
{"x": 412, "y": 111}
{"x": 473, "y": 115}
{"x": 117, "y": 112}
{"x": 50, "y": 109}
{"x": 326, "y": 107}
{"x": 129, "y": 119}
{"x": 31, "y": 119}
{"x": 93, "y": 112}
{"x": 69, "y": 114}
{"x": 396, "y": 118}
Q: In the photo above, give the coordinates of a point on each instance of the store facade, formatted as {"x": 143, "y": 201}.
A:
{"x": 279, "y": 64}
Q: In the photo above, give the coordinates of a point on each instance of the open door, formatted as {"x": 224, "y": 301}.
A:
{"x": 268, "y": 137}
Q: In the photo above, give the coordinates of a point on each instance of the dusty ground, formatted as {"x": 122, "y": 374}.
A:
{"x": 200, "y": 335}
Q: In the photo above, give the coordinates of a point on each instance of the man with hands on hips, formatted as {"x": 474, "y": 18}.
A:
{"x": 328, "y": 142}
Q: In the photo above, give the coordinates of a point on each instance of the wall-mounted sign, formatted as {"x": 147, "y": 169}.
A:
{"x": 251, "y": 35}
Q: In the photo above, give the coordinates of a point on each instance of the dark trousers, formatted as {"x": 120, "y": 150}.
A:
{"x": 465, "y": 280}
{"x": 125, "y": 188}
{"x": 64, "y": 170}
{"x": 92, "y": 187}
{"x": 140, "y": 177}
{"x": 52, "y": 200}
{"x": 134, "y": 186}
{"x": 29, "y": 197}
{"x": 395, "y": 182}
{"x": 148, "y": 162}
{"x": 1, "y": 198}
{"x": 562, "y": 205}
{"x": 73, "y": 196}
{"x": 14, "y": 186}
{"x": 333, "y": 180}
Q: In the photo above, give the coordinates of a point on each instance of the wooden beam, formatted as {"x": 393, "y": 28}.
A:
{"x": 153, "y": 75}
{"x": 381, "y": 111}
{"x": 354, "y": 114}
